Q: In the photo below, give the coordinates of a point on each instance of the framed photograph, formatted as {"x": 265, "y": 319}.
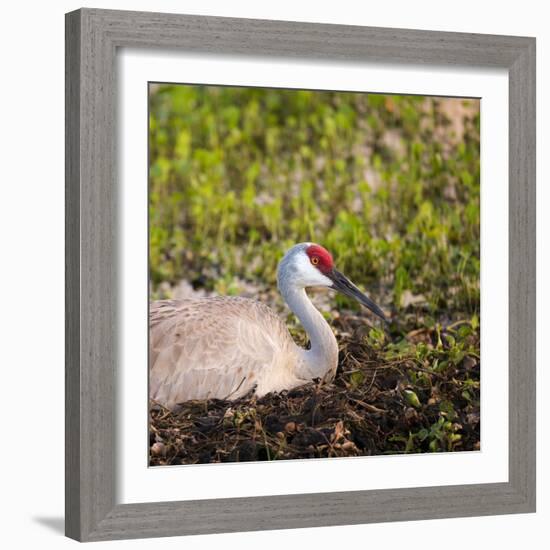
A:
{"x": 300, "y": 275}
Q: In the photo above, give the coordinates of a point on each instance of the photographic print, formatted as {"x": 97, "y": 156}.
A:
{"x": 314, "y": 274}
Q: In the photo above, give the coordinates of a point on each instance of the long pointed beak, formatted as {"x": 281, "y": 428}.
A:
{"x": 341, "y": 283}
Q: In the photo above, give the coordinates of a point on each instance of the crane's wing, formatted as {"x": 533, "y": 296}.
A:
{"x": 210, "y": 348}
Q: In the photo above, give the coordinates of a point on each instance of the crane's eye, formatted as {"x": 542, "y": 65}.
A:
{"x": 314, "y": 260}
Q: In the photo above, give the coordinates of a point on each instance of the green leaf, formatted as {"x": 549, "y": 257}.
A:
{"x": 357, "y": 378}
{"x": 412, "y": 399}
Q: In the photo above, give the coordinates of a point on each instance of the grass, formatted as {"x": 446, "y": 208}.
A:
{"x": 390, "y": 185}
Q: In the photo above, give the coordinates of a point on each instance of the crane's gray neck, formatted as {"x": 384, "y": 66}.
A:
{"x": 322, "y": 358}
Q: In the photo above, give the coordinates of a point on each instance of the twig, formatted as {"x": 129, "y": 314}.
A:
{"x": 370, "y": 408}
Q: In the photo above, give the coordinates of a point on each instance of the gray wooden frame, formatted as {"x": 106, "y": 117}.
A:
{"x": 92, "y": 39}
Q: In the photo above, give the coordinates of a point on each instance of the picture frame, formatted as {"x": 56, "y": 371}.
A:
{"x": 92, "y": 39}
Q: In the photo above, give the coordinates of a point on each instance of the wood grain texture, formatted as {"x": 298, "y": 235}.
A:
{"x": 308, "y": 510}
{"x": 254, "y": 37}
{"x": 91, "y": 337}
{"x": 72, "y": 276}
{"x": 92, "y": 37}
{"x": 522, "y": 274}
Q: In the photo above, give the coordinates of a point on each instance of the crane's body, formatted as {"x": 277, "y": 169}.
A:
{"x": 223, "y": 347}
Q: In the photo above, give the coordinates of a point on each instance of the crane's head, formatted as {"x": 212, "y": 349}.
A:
{"x": 310, "y": 265}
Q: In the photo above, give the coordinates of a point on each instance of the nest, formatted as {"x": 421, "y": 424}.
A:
{"x": 377, "y": 404}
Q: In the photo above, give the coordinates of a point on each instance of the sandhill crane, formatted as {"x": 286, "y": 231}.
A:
{"x": 223, "y": 347}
